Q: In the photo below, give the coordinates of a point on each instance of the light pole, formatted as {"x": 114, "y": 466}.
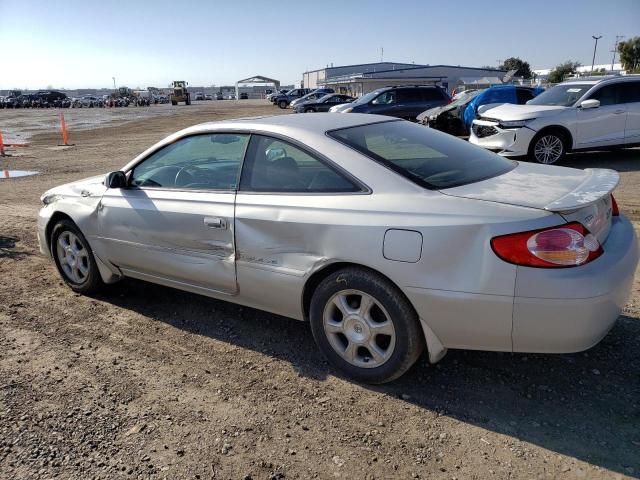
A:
{"x": 615, "y": 50}
{"x": 595, "y": 47}
{"x": 114, "y": 83}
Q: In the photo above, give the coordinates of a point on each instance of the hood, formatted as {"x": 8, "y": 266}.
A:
{"x": 546, "y": 187}
{"x": 510, "y": 111}
{"x": 340, "y": 107}
{"x": 86, "y": 187}
{"x": 433, "y": 111}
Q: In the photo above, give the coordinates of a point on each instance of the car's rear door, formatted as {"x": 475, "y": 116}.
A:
{"x": 174, "y": 224}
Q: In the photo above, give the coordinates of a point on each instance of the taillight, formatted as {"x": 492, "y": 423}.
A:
{"x": 614, "y": 207}
{"x": 568, "y": 245}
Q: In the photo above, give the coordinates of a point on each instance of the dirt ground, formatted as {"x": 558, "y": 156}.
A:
{"x": 148, "y": 382}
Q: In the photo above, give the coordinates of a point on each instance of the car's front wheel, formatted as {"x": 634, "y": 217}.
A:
{"x": 548, "y": 147}
{"x": 365, "y": 326}
{"x": 74, "y": 258}
{"x": 282, "y": 104}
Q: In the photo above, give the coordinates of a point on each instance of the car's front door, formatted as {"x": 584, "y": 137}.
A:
{"x": 174, "y": 223}
{"x": 603, "y": 125}
{"x": 384, "y": 104}
{"x": 631, "y": 96}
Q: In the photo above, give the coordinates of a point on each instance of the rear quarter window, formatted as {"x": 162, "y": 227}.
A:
{"x": 429, "y": 158}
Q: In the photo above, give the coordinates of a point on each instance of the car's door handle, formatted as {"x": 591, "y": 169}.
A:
{"x": 215, "y": 222}
{"x": 618, "y": 112}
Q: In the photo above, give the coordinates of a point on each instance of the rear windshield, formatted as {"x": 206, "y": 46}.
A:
{"x": 432, "y": 159}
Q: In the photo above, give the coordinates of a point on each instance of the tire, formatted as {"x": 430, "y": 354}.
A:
{"x": 349, "y": 342}
{"x": 282, "y": 104}
{"x": 309, "y": 110}
{"x": 173, "y": 102}
{"x": 81, "y": 280}
{"x": 548, "y": 147}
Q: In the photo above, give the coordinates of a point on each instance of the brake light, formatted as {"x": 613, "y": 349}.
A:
{"x": 615, "y": 211}
{"x": 568, "y": 245}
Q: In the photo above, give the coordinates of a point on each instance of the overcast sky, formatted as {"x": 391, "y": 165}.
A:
{"x": 84, "y": 43}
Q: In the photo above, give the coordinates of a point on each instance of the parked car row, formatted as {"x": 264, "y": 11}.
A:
{"x": 512, "y": 120}
{"x": 580, "y": 114}
{"x": 39, "y": 100}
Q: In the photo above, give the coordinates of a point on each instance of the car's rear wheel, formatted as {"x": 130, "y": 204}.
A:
{"x": 365, "y": 326}
{"x": 548, "y": 147}
{"x": 74, "y": 258}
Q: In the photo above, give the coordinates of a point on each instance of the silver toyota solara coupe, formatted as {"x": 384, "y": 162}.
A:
{"x": 386, "y": 236}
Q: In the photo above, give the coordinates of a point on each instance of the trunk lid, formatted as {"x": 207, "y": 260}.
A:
{"x": 578, "y": 195}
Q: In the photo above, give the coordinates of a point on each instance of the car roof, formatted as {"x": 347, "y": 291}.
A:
{"x": 318, "y": 124}
{"x": 601, "y": 79}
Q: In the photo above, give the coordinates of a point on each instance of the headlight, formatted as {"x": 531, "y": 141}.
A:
{"x": 515, "y": 123}
{"x": 48, "y": 199}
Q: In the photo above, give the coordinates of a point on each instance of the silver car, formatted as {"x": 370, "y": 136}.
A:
{"x": 387, "y": 237}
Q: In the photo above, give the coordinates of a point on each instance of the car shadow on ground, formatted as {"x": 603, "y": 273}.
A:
{"x": 622, "y": 160}
{"x": 583, "y": 405}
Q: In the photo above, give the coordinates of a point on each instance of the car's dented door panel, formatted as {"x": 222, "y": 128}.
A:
{"x": 183, "y": 236}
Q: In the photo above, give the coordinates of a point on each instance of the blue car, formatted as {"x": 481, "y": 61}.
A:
{"x": 456, "y": 117}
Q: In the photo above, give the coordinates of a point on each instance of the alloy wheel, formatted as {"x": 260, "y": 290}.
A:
{"x": 73, "y": 257}
{"x": 548, "y": 149}
{"x": 359, "y": 329}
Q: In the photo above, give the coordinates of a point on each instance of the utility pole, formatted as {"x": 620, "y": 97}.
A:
{"x": 114, "y": 83}
{"x": 381, "y": 54}
{"x": 595, "y": 47}
{"x": 615, "y": 50}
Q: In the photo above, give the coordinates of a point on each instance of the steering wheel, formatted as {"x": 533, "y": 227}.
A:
{"x": 186, "y": 175}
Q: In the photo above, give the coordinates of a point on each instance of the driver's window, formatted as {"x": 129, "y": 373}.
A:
{"x": 199, "y": 162}
{"x": 386, "y": 98}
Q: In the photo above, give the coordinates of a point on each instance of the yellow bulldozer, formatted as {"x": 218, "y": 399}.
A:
{"x": 180, "y": 93}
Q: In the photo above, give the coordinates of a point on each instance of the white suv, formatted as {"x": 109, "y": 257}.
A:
{"x": 581, "y": 114}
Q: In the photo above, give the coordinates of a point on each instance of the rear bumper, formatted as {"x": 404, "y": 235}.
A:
{"x": 552, "y": 310}
{"x": 570, "y": 310}
{"x": 509, "y": 143}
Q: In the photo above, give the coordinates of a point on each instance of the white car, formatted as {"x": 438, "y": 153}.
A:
{"x": 388, "y": 237}
{"x": 581, "y": 114}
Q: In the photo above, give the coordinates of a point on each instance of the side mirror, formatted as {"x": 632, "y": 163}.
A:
{"x": 115, "y": 180}
{"x": 592, "y": 103}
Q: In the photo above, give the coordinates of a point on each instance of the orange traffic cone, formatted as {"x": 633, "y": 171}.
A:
{"x": 63, "y": 127}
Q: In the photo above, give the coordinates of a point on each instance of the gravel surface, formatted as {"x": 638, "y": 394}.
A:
{"x": 144, "y": 381}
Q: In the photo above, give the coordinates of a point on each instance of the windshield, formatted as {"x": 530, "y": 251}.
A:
{"x": 429, "y": 158}
{"x": 464, "y": 99}
{"x": 561, "y": 95}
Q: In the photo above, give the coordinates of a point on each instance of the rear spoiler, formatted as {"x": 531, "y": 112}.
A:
{"x": 598, "y": 183}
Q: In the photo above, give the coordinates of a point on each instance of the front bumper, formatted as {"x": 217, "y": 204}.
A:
{"x": 44, "y": 214}
{"x": 512, "y": 142}
{"x": 572, "y": 309}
